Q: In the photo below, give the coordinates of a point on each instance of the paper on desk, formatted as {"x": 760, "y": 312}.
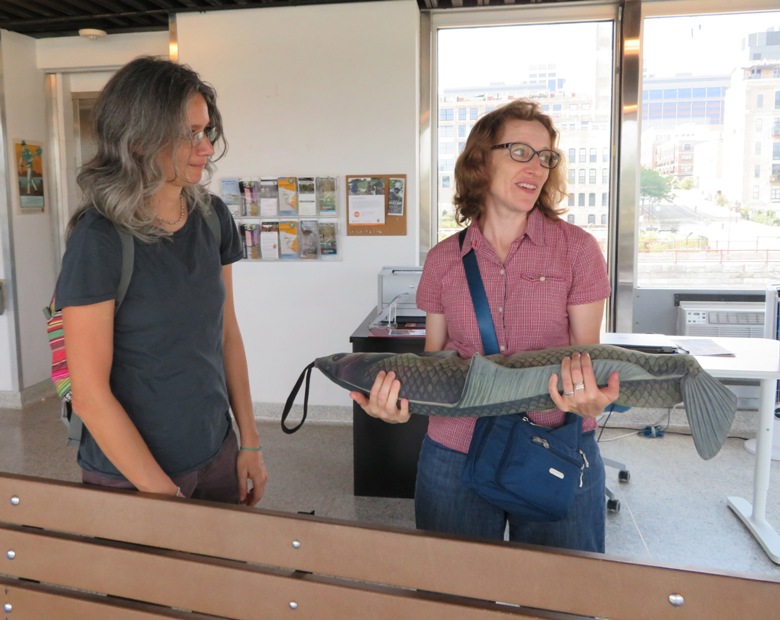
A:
{"x": 696, "y": 346}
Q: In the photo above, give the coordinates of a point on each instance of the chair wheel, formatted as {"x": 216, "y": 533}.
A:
{"x": 613, "y": 505}
{"x": 624, "y": 475}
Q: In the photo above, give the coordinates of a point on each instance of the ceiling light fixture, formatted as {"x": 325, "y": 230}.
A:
{"x": 93, "y": 34}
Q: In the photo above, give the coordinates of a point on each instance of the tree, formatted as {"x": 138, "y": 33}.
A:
{"x": 654, "y": 187}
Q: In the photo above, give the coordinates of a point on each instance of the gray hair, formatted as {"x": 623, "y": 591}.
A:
{"x": 141, "y": 111}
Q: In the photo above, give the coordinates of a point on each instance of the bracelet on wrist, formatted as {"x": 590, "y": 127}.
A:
{"x": 257, "y": 449}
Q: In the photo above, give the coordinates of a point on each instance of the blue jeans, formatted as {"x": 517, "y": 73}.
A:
{"x": 443, "y": 504}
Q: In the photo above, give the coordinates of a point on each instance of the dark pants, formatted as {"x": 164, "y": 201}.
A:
{"x": 217, "y": 481}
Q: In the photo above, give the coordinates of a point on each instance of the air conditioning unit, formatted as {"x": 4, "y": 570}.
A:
{"x": 728, "y": 319}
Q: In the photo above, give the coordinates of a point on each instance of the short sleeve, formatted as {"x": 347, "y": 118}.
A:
{"x": 590, "y": 279}
{"x": 230, "y": 248}
{"x": 91, "y": 265}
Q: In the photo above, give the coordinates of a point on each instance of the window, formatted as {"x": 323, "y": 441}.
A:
{"x": 570, "y": 219}
{"x": 445, "y": 181}
{"x": 592, "y": 201}
{"x": 725, "y": 101}
{"x": 604, "y": 199}
{"x": 591, "y": 219}
{"x": 495, "y": 63}
{"x": 592, "y": 175}
{"x": 776, "y": 151}
{"x": 605, "y": 175}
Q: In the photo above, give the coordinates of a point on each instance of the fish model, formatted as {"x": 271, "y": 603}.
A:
{"x": 444, "y": 384}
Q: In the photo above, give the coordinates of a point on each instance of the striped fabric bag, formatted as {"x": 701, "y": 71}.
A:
{"x": 59, "y": 362}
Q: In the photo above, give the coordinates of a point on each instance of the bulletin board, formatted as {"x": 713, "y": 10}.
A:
{"x": 376, "y": 205}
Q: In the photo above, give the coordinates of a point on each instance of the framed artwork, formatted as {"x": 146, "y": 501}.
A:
{"x": 29, "y": 168}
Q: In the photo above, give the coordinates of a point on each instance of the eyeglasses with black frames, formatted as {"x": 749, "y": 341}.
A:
{"x": 209, "y": 132}
{"x": 524, "y": 153}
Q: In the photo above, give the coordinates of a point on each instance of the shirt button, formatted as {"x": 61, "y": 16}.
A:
{"x": 502, "y": 272}
{"x": 500, "y": 309}
{"x": 541, "y": 278}
{"x": 502, "y": 348}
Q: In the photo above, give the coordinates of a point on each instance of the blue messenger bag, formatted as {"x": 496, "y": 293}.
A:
{"x": 532, "y": 471}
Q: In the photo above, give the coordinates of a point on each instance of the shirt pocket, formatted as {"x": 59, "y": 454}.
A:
{"x": 549, "y": 289}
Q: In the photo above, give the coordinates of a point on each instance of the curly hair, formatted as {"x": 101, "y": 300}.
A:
{"x": 142, "y": 110}
{"x": 472, "y": 169}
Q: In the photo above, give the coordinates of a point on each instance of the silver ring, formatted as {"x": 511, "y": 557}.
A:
{"x": 579, "y": 386}
{"x": 568, "y": 393}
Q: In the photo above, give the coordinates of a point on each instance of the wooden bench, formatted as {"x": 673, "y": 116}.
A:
{"x": 70, "y": 551}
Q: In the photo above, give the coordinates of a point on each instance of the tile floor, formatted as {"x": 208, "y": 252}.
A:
{"x": 673, "y": 510}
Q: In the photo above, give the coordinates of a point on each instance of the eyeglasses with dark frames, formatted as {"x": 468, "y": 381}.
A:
{"x": 523, "y": 153}
{"x": 209, "y": 132}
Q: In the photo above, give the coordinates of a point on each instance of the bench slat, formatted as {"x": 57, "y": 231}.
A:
{"x": 571, "y": 582}
{"x": 213, "y": 586}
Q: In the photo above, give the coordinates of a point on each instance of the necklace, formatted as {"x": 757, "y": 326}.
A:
{"x": 182, "y": 211}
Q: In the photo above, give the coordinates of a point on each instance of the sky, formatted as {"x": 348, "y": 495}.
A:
{"x": 480, "y": 56}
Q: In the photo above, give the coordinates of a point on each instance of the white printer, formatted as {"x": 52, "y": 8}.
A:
{"x": 397, "y": 303}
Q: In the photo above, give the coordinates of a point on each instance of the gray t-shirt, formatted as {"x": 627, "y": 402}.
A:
{"x": 168, "y": 370}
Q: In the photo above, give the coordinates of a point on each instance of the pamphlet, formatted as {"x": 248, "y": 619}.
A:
{"x": 250, "y": 196}
{"x": 310, "y": 239}
{"x": 326, "y": 195}
{"x": 288, "y": 196}
{"x": 288, "y": 239}
{"x": 231, "y": 195}
{"x": 307, "y": 199}
{"x": 328, "y": 238}
{"x": 269, "y": 198}
{"x": 269, "y": 240}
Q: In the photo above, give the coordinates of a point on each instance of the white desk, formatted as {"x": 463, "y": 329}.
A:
{"x": 756, "y": 359}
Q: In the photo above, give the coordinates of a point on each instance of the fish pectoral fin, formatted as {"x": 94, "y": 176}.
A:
{"x": 488, "y": 383}
{"x": 710, "y": 407}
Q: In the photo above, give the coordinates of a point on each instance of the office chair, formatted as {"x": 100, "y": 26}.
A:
{"x": 613, "y": 503}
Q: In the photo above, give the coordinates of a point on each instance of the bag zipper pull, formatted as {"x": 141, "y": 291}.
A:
{"x": 541, "y": 441}
{"x": 585, "y": 464}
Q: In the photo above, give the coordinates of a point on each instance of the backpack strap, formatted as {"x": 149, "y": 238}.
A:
{"x": 212, "y": 219}
{"x": 128, "y": 256}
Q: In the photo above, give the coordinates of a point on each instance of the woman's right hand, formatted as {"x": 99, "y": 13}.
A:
{"x": 383, "y": 402}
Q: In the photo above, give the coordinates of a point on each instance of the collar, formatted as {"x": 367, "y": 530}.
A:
{"x": 534, "y": 230}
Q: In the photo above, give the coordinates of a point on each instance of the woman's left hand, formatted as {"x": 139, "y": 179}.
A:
{"x": 251, "y": 468}
{"x": 581, "y": 393}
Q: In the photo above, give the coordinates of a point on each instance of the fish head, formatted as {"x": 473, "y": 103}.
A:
{"x": 352, "y": 371}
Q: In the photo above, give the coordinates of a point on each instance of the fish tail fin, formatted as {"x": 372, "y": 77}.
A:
{"x": 710, "y": 407}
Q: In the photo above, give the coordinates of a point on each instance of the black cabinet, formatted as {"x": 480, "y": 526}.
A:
{"x": 385, "y": 455}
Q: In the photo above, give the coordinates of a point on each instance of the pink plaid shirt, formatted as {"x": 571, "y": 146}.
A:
{"x": 554, "y": 265}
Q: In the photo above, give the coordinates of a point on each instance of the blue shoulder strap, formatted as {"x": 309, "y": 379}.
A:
{"x": 487, "y": 330}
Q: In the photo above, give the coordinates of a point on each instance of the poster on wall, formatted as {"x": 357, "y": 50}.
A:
{"x": 29, "y": 168}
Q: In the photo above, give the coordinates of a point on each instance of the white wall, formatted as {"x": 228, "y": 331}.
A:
{"x": 30, "y": 276}
{"x": 312, "y": 90}
{"x": 309, "y": 90}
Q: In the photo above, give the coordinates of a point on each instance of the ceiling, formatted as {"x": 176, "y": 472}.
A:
{"x": 58, "y": 18}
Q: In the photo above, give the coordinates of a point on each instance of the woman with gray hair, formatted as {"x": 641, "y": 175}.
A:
{"x": 546, "y": 283}
{"x": 155, "y": 377}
